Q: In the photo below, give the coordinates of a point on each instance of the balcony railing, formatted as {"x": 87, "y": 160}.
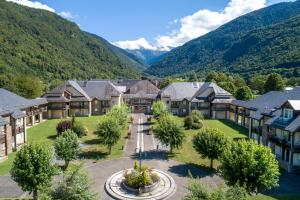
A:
{"x": 79, "y": 106}
{"x": 279, "y": 140}
{"x": 58, "y": 107}
{"x": 256, "y": 129}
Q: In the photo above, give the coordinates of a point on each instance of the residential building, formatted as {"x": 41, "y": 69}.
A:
{"x": 183, "y": 97}
{"x": 96, "y": 97}
{"x": 16, "y": 114}
{"x": 273, "y": 120}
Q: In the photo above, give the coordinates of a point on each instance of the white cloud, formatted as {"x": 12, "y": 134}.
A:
{"x": 38, "y": 5}
{"x": 67, "y": 15}
{"x": 140, "y": 43}
{"x": 33, "y": 4}
{"x": 199, "y": 23}
{"x": 204, "y": 21}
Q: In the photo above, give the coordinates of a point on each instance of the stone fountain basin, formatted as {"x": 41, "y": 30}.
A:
{"x": 140, "y": 190}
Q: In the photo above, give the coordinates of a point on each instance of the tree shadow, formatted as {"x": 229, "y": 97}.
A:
{"x": 151, "y": 155}
{"x": 52, "y": 137}
{"x": 197, "y": 171}
{"x": 93, "y": 141}
{"x": 93, "y": 155}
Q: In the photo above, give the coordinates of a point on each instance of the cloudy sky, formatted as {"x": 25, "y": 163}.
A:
{"x": 155, "y": 24}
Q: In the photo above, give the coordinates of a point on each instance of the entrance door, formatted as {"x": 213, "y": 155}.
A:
{"x": 140, "y": 109}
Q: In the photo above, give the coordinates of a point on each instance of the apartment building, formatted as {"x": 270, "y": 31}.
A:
{"x": 183, "y": 97}
{"x": 16, "y": 114}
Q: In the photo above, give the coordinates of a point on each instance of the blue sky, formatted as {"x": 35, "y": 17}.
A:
{"x": 152, "y": 24}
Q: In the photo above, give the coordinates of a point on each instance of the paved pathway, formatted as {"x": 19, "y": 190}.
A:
{"x": 153, "y": 157}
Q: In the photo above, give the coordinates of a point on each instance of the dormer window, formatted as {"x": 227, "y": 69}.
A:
{"x": 287, "y": 113}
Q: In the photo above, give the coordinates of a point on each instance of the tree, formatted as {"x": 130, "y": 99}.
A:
{"x": 109, "y": 131}
{"x": 159, "y": 108}
{"x": 194, "y": 120}
{"x": 33, "y": 168}
{"x": 274, "y": 83}
{"x": 193, "y": 77}
{"x": 210, "y": 143}
{"x": 257, "y": 83}
{"x": 120, "y": 113}
{"x": 244, "y": 93}
{"x": 251, "y": 165}
{"x": 228, "y": 86}
{"x": 67, "y": 147}
{"x": 74, "y": 186}
{"x": 211, "y": 76}
{"x": 169, "y": 132}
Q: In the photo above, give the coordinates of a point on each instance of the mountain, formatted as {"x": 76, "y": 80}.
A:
{"x": 128, "y": 57}
{"x": 43, "y": 44}
{"x": 148, "y": 56}
{"x": 262, "y": 41}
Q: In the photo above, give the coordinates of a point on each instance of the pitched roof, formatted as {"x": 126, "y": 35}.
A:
{"x": 102, "y": 90}
{"x": 11, "y": 103}
{"x": 181, "y": 90}
{"x": 268, "y": 103}
{"x": 3, "y": 121}
{"x": 295, "y": 104}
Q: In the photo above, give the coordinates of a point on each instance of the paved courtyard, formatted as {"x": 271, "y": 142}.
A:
{"x": 153, "y": 156}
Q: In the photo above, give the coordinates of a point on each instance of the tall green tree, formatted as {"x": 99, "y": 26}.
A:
{"x": 109, "y": 131}
{"x": 33, "y": 168}
{"x": 257, "y": 83}
{"x": 193, "y": 77}
{"x": 169, "y": 132}
{"x": 120, "y": 113}
{"x": 74, "y": 186}
{"x": 210, "y": 143}
{"x": 244, "y": 93}
{"x": 251, "y": 165}
{"x": 67, "y": 147}
{"x": 159, "y": 108}
{"x": 274, "y": 83}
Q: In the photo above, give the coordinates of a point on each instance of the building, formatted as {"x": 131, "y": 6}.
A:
{"x": 183, "y": 97}
{"x": 273, "y": 120}
{"x": 96, "y": 97}
{"x": 16, "y": 114}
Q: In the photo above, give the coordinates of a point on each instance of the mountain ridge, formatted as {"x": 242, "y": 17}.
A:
{"x": 207, "y": 52}
{"x": 45, "y": 45}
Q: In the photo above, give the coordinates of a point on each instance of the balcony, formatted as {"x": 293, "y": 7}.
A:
{"x": 279, "y": 140}
{"x": 58, "y": 107}
{"x": 79, "y": 107}
{"x": 256, "y": 129}
{"x": 19, "y": 130}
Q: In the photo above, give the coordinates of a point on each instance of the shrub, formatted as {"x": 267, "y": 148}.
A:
{"x": 188, "y": 122}
{"x": 197, "y": 125}
{"x": 79, "y": 129}
{"x": 197, "y": 115}
{"x": 62, "y": 126}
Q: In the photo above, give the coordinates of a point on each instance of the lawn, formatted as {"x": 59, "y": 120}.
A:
{"x": 187, "y": 153}
{"x": 45, "y": 133}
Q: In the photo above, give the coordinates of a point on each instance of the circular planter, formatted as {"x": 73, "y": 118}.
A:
{"x": 140, "y": 190}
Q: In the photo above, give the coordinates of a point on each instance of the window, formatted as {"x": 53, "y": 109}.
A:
{"x": 287, "y": 113}
{"x": 278, "y": 151}
{"x": 296, "y": 159}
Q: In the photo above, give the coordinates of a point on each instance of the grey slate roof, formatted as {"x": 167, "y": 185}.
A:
{"x": 269, "y": 102}
{"x": 11, "y": 103}
{"x": 294, "y": 125}
{"x": 102, "y": 90}
{"x": 181, "y": 90}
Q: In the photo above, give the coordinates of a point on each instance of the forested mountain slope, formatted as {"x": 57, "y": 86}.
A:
{"x": 43, "y": 44}
{"x": 259, "y": 42}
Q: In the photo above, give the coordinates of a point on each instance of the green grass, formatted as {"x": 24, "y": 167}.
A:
{"x": 45, "y": 133}
{"x": 187, "y": 153}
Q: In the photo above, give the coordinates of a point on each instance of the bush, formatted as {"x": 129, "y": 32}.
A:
{"x": 194, "y": 120}
{"x": 188, "y": 122}
{"x": 62, "y": 126}
{"x": 197, "y": 115}
{"x": 79, "y": 129}
{"x": 159, "y": 108}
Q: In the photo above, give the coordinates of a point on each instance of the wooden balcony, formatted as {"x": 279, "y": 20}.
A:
{"x": 58, "y": 107}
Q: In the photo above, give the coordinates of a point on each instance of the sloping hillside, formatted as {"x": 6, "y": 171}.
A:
{"x": 259, "y": 42}
{"x": 45, "y": 45}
